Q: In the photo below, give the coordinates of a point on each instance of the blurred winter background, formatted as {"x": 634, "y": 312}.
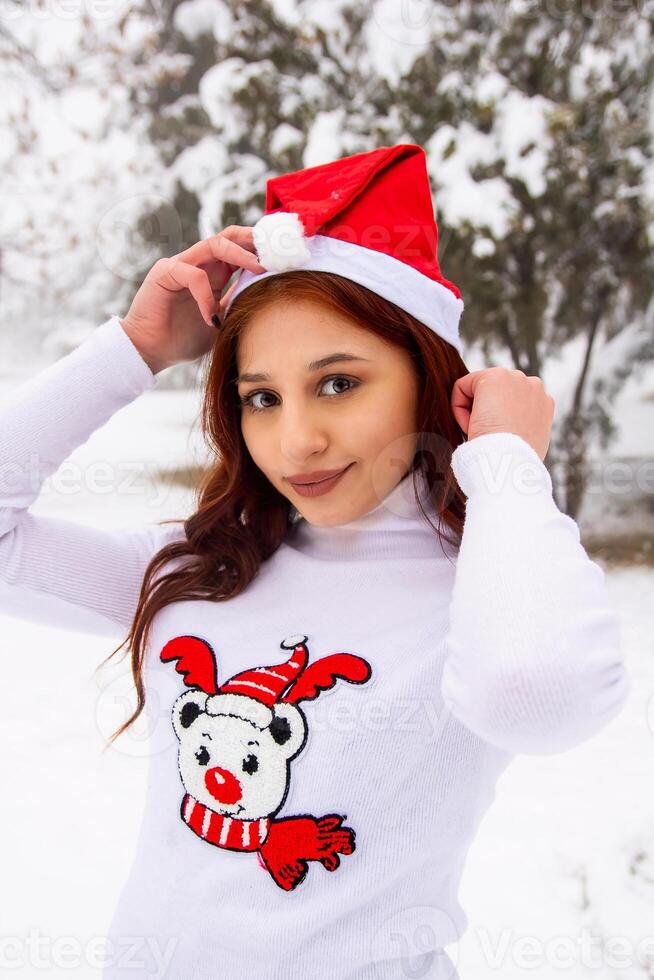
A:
{"x": 132, "y": 129}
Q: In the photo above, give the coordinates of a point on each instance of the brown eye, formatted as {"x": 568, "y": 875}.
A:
{"x": 248, "y": 400}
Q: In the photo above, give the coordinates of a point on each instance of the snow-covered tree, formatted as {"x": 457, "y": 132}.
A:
{"x": 536, "y": 119}
{"x": 544, "y": 170}
{"x": 78, "y": 171}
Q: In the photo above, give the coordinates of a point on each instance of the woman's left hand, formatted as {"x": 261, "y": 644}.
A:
{"x": 499, "y": 399}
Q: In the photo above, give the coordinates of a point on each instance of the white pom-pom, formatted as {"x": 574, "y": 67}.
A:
{"x": 280, "y": 241}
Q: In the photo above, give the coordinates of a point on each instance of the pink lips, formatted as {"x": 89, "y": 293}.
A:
{"x": 320, "y": 488}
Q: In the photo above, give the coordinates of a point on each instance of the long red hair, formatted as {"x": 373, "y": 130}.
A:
{"x": 241, "y": 518}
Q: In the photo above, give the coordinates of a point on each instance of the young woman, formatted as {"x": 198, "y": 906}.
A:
{"x": 366, "y": 616}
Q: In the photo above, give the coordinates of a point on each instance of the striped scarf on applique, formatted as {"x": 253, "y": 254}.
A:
{"x": 230, "y": 832}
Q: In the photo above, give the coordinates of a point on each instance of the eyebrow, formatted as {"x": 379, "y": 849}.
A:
{"x": 312, "y": 366}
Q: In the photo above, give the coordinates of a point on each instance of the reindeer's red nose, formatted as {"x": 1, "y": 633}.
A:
{"x": 223, "y": 785}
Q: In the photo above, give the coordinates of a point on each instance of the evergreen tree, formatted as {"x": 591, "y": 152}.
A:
{"x": 536, "y": 120}
{"x": 536, "y": 123}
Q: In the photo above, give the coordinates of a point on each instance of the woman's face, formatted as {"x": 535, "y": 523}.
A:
{"x": 302, "y": 418}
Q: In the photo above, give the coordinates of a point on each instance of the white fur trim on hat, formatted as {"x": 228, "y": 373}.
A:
{"x": 429, "y": 301}
{"x": 280, "y": 241}
{"x": 240, "y": 705}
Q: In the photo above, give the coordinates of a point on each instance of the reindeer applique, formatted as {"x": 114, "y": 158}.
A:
{"x": 236, "y": 743}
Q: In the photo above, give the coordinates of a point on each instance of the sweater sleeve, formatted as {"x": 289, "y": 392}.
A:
{"x": 533, "y": 658}
{"x": 54, "y": 571}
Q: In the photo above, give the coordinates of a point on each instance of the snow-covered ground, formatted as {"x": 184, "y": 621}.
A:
{"x": 560, "y": 880}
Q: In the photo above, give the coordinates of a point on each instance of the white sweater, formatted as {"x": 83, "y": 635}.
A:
{"x": 313, "y": 821}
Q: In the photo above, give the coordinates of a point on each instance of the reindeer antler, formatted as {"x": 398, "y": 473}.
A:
{"x": 323, "y": 674}
{"x": 197, "y": 661}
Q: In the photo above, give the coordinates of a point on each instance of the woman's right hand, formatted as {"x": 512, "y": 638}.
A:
{"x": 170, "y": 319}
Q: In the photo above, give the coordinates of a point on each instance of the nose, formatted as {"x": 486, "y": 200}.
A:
{"x": 223, "y": 785}
{"x": 301, "y": 434}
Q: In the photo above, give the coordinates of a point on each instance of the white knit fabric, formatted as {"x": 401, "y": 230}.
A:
{"x": 507, "y": 645}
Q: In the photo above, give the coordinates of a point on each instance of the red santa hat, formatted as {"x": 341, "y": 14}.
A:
{"x": 267, "y": 684}
{"x": 368, "y": 217}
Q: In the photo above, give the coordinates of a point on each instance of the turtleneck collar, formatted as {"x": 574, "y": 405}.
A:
{"x": 394, "y": 528}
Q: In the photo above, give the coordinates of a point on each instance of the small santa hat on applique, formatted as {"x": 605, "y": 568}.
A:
{"x": 368, "y": 217}
{"x": 267, "y": 684}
